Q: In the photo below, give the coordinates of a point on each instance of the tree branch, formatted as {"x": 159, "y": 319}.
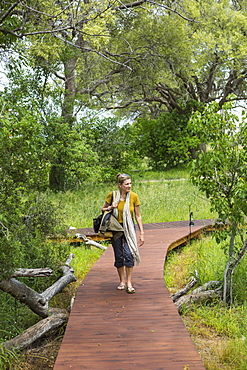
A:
{"x": 9, "y": 11}
{"x": 172, "y": 10}
{"x": 42, "y": 272}
{"x": 185, "y": 290}
{"x": 135, "y": 4}
{"x": 129, "y": 5}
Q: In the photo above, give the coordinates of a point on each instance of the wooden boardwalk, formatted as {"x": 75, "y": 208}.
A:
{"x": 112, "y": 330}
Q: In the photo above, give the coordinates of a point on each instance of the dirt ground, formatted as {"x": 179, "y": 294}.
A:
{"x": 43, "y": 356}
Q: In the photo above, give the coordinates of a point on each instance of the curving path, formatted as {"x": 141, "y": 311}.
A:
{"x": 112, "y": 330}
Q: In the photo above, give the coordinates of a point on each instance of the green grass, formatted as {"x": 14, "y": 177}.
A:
{"x": 165, "y": 196}
{"x": 83, "y": 260}
{"x": 180, "y": 172}
{"x": 219, "y": 332}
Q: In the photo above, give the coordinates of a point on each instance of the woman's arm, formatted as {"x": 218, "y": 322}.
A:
{"x": 138, "y": 218}
{"x": 109, "y": 207}
{"x": 106, "y": 207}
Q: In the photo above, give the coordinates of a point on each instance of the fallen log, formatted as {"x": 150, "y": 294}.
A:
{"x": 198, "y": 297}
{"x": 39, "y": 303}
{"x": 35, "y": 301}
{"x": 36, "y": 332}
{"x": 207, "y": 291}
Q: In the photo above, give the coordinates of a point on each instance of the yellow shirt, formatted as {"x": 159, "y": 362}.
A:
{"x": 134, "y": 202}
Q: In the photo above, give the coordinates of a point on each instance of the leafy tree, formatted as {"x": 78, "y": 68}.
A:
{"x": 178, "y": 61}
{"x": 98, "y": 54}
{"x": 195, "y": 50}
{"x": 72, "y": 159}
{"x": 64, "y": 149}
{"x": 24, "y": 173}
{"x": 167, "y": 140}
{"x": 81, "y": 46}
{"x": 113, "y": 142}
{"x": 221, "y": 173}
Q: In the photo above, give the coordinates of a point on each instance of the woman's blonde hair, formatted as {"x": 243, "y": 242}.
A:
{"x": 121, "y": 177}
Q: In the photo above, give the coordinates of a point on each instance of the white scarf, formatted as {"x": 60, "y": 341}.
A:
{"x": 128, "y": 226}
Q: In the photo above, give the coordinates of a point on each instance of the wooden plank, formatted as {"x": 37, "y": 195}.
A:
{"x": 112, "y": 330}
{"x": 89, "y": 232}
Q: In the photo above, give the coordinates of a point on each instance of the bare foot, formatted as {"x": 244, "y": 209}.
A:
{"x": 121, "y": 286}
{"x": 130, "y": 289}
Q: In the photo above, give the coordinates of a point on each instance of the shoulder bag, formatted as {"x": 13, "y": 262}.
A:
{"x": 105, "y": 224}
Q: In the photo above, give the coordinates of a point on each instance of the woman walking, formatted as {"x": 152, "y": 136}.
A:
{"x": 126, "y": 207}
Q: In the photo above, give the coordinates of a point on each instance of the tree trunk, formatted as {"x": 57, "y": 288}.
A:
{"x": 57, "y": 176}
{"x": 231, "y": 265}
{"x": 194, "y": 151}
{"x": 227, "y": 289}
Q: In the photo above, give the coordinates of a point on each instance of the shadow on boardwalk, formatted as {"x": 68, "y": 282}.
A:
{"x": 110, "y": 329}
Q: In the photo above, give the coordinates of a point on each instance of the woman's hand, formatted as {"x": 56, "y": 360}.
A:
{"x": 141, "y": 242}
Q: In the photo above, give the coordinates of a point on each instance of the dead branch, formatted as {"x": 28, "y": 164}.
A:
{"x": 90, "y": 242}
{"x": 26, "y": 295}
{"x": 207, "y": 286}
{"x": 67, "y": 278}
{"x": 185, "y": 290}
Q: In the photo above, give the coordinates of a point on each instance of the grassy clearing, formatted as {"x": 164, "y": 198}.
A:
{"x": 165, "y": 196}
{"x": 219, "y": 333}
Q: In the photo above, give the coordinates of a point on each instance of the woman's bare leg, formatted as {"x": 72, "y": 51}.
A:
{"x": 121, "y": 275}
{"x": 129, "y": 271}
